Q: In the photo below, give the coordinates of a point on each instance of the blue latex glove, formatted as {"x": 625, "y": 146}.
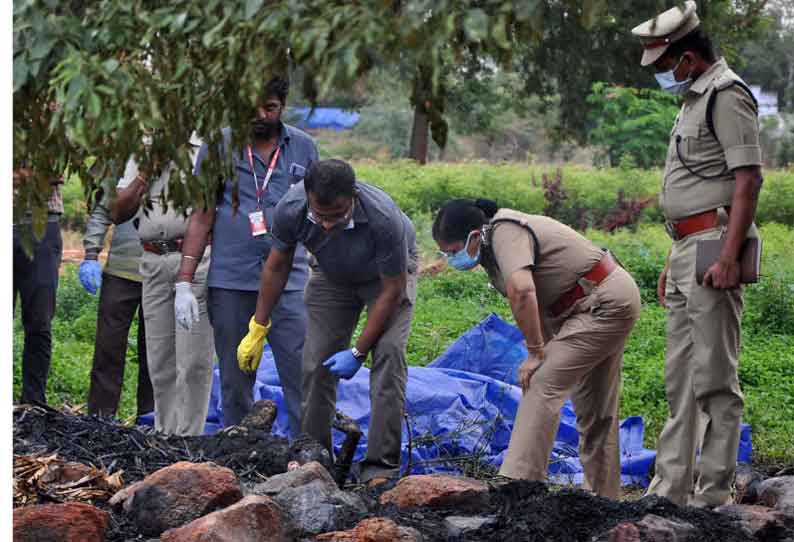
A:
{"x": 343, "y": 364}
{"x": 90, "y": 275}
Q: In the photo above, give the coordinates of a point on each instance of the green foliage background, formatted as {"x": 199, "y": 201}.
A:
{"x": 631, "y": 124}
{"x": 425, "y": 188}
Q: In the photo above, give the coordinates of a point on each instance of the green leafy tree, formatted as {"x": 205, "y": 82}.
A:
{"x": 631, "y": 125}
{"x": 576, "y": 51}
{"x": 92, "y": 77}
{"x": 768, "y": 61}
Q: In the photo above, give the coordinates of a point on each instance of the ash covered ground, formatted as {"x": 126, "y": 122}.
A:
{"x": 523, "y": 510}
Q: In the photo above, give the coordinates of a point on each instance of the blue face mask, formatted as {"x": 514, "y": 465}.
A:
{"x": 461, "y": 259}
{"x": 667, "y": 81}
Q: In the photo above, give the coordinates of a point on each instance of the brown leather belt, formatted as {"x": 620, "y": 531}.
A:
{"x": 162, "y": 247}
{"x": 597, "y": 274}
{"x": 691, "y": 225}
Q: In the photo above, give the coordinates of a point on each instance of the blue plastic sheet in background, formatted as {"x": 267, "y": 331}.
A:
{"x": 329, "y": 118}
{"x": 463, "y": 404}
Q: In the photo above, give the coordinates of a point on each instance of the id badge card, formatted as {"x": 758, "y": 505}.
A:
{"x": 257, "y": 222}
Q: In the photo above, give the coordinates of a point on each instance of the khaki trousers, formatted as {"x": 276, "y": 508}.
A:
{"x": 180, "y": 362}
{"x": 583, "y": 362}
{"x": 333, "y": 313}
{"x": 703, "y": 396}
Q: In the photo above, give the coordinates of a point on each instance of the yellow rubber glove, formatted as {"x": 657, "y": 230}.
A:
{"x": 250, "y": 350}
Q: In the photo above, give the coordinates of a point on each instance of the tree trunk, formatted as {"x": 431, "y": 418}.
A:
{"x": 419, "y": 136}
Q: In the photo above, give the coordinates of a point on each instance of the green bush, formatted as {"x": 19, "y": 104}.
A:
{"x": 776, "y": 202}
{"x": 425, "y": 188}
{"x": 642, "y": 253}
{"x": 73, "y": 335}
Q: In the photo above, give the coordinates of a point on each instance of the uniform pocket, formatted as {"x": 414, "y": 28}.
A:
{"x": 689, "y": 142}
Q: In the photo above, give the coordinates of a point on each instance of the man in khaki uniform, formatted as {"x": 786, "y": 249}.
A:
{"x": 180, "y": 357}
{"x": 710, "y": 188}
{"x": 576, "y": 308}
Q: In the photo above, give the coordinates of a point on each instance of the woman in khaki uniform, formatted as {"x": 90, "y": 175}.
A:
{"x": 575, "y": 306}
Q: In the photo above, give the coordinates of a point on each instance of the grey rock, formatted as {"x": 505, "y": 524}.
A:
{"x": 306, "y": 474}
{"x": 755, "y": 518}
{"x": 458, "y": 525}
{"x": 316, "y": 508}
{"x": 778, "y": 493}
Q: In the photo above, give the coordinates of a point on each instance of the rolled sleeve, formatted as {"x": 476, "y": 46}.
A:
{"x": 736, "y": 126}
{"x": 513, "y": 248}
{"x": 281, "y": 246}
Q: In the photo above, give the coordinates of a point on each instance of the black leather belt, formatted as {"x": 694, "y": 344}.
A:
{"x": 162, "y": 247}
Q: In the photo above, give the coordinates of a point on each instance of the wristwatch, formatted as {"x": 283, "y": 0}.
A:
{"x": 360, "y": 356}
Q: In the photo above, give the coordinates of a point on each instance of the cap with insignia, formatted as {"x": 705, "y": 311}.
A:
{"x": 659, "y": 32}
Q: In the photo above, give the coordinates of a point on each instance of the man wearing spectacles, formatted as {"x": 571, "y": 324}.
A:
{"x": 275, "y": 158}
{"x": 365, "y": 252}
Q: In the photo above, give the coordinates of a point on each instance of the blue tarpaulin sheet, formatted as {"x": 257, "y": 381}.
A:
{"x": 463, "y": 405}
{"x": 329, "y": 118}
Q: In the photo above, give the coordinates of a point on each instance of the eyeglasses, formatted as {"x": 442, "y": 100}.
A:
{"x": 451, "y": 253}
{"x": 335, "y": 219}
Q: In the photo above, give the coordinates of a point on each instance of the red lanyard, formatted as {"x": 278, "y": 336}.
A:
{"x": 260, "y": 191}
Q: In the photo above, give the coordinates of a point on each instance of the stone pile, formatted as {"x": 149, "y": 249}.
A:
{"x": 205, "y": 501}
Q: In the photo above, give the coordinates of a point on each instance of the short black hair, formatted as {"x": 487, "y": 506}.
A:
{"x": 278, "y": 86}
{"x": 458, "y": 217}
{"x": 697, "y": 41}
{"x": 329, "y": 179}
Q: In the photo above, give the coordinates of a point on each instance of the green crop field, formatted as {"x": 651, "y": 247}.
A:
{"x": 451, "y": 302}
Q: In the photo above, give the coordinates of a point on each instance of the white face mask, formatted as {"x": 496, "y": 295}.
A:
{"x": 668, "y": 82}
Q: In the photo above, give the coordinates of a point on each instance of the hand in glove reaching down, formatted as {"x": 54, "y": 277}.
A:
{"x": 249, "y": 352}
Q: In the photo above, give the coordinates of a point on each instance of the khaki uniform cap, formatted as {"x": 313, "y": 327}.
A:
{"x": 659, "y": 32}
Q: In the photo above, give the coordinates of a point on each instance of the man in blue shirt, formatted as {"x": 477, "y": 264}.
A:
{"x": 275, "y": 158}
{"x": 365, "y": 249}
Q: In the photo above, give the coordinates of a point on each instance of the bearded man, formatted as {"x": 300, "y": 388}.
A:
{"x": 276, "y": 157}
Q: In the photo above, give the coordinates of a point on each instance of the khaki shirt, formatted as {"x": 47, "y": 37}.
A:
{"x": 158, "y": 224}
{"x": 737, "y": 145}
{"x": 565, "y": 256}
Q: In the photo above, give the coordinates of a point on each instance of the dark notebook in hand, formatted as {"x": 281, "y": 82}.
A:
{"x": 708, "y": 252}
